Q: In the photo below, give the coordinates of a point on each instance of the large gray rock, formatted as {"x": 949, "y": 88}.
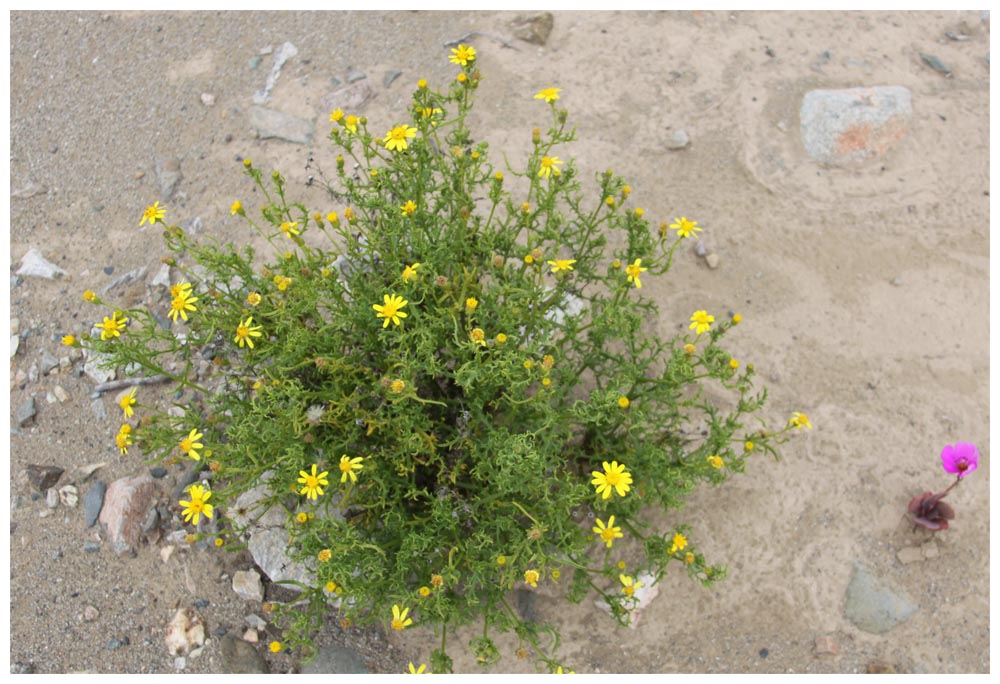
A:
{"x": 270, "y": 123}
{"x": 335, "y": 660}
{"x": 849, "y": 127}
{"x": 240, "y": 657}
{"x": 874, "y": 607}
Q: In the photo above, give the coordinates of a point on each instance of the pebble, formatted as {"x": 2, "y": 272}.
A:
{"x": 355, "y": 75}
{"x": 90, "y": 614}
{"x": 166, "y": 552}
{"x": 389, "y": 77}
{"x": 47, "y": 362}
{"x": 848, "y": 127}
{"x": 872, "y": 606}
{"x": 68, "y": 496}
{"x": 763, "y": 653}
{"x": 254, "y": 62}
{"x": 158, "y": 472}
{"x": 533, "y": 28}
{"x": 61, "y": 394}
{"x": 124, "y": 279}
{"x": 95, "y": 368}
{"x": 936, "y": 64}
{"x": 270, "y": 123}
{"x": 247, "y": 585}
{"x": 250, "y": 636}
{"x": 256, "y": 622}
{"x": 180, "y": 663}
{"x": 162, "y": 277}
{"x": 168, "y": 175}
{"x": 712, "y": 260}
{"x": 826, "y": 645}
{"x": 208, "y": 99}
{"x": 678, "y": 140}
{"x": 15, "y": 342}
{"x": 350, "y": 97}
{"x": 202, "y": 603}
{"x": 52, "y": 498}
{"x": 97, "y": 406}
{"x": 700, "y": 249}
{"x": 25, "y": 412}
{"x": 930, "y": 550}
{"x": 240, "y": 657}
{"x": 50, "y": 398}
{"x": 126, "y": 504}
{"x": 185, "y": 632}
{"x": 43, "y": 477}
{"x": 335, "y": 660}
{"x": 281, "y": 55}
{"x": 910, "y": 554}
{"x": 114, "y": 645}
{"x": 91, "y": 547}
{"x": 33, "y": 373}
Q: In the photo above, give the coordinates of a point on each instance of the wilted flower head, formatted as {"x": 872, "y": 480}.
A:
{"x": 961, "y": 458}
{"x": 930, "y": 511}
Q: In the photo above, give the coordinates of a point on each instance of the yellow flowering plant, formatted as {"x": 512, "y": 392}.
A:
{"x": 467, "y": 354}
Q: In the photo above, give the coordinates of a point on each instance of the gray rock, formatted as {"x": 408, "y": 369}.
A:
{"x": 25, "y": 412}
{"x": 350, "y": 98}
{"x": 282, "y": 55}
{"x": 47, "y": 362}
{"x": 936, "y": 64}
{"x": 124, "y": 279}
{"x": 168, "y": 175}
{"x": 240, "y": 657}
{"x": 99, "y": 366}
{"x": 15, "y": 342}
{"x": 208, "y": 99}
{"x": 874, "y": 607}
{"x": 533, "y": 28}
{"x": 97, "y": 406}
{"x": 335, "y": 660}
{"x": 90, "y": 613}
{"x": 247, "y": 585}
{"x": 93, "y": 501}
{"x": 256, "y": 622}
{"x": 33, "y": 264}
{"x": 389, "y": 77}
{"x": 158, "y": 472}
{"x": 126, "y": 504}
{"x": 162, "y": 277}
{"x": 270, "y": 123}
{"x": 355, "y": 75}
{"x": 678, "y": 140}
{"x": 848, "y": 127}
{"x": 52, "y": 497}
{"x": 60, "y": 392}
{"x": 254, "y": 62}
{"x": 43, "y": 478}
{"x": 91, "y": 547}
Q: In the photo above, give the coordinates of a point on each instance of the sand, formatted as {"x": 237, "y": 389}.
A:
{"x": 864, "y": 294}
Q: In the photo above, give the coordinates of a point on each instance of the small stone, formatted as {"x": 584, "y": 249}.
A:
{"x": 81, "y": 474}
{"x": 247, "y": 585}
{"x": 852, "y": 126}
{"x": 270, "y": 123}
{"x": 90, "y": 614}
{"x": 68, "y": 496}
{"x": 25, "y": 413}
{"x": 93, "y": 501}
{"x": 61, "y": 394}
{"x": 52, "y": 498}
{"x": 349, "y": 98}
{"x": 936, "y": 64}
{"x": 33, "y": 264}
{"x": 114, "y": 645}
{"x": 763, "y": 653}
{"x": 33, "y": 373}
{"x": 355, "y": 75}
{"x": 208, "y": 99}
{"x": 250, "y": 636}
{"x": 880, "y": 667}
{"x": 254, "y": 62}
{"x": 239, "y": 657}
{"x": 162, "y": 277}
{"x": 712, "y": 260}
{"x": 99, "y": 367}
{"x": 91, "y": 547}
{"x": 910, "y": 554}
{"x": 97, "y": 406}
{"x": 158, "y": 472}
{"x": 700, "y": 249}
{"x": 124, "y": 279}
{"x": 185, "y": 632}
{"x": 256, "y": 622}
{"x": 166, "y": 552}
{"x": 126, "y": 504}
{"x": 168, "y": 175}
{"x": 43, "y": 477}
{"x": 678, "y": 140}
{"x": 533, "y": 28}
{"x": 335, "y": 660}
{"x": 930, "y": 549}
{"x": 50, "y": 398}
{"x": 897, "y": 281}
{"x": 15, "y": 342}
{"x": 826, "y": 645}
{"x": 47, "y": 362}
{"x": 873, "y": 606}
{"x": 389, "y": 77}
{"x": 180, "y": 663}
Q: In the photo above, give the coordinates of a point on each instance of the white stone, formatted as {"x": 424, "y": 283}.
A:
{"x": 247, "y": 585}
{"x": 34, "y": 264}
{"x": 185, "y": 632}
{"x": 69, "y": 496}
{"x": 643, "y": 596}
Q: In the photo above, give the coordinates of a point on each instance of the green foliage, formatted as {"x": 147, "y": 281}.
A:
{"x": 478, "y": 424}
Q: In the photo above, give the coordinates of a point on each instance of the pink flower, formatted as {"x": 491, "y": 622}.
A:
{"x": 961, "y": 458}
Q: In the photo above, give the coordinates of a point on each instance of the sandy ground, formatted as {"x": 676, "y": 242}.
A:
{"x": 864, "y": 294}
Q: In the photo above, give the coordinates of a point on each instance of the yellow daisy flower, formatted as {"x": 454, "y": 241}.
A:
{"x": 348, "y": 466}
{"x": 190, "y": 444}
{"x": 245, "y": 331}
{"x": 462, "y": 55}
{"x": 548, "y": 94}
{"x": 390, "y": 310}
{"x": 198, "y": 505}
{"x": 396, "y": 139}
{"x": 614, "y": 477}
{"x": 153, "y": 213}
{"x": 701, "y": 322}
{"x": 633, "y": 271}
{"x": 399, "y": 619}
{"x": 609, "y": 532}
{"x": 127, "y": 402}
{"x": 312, "y": 483}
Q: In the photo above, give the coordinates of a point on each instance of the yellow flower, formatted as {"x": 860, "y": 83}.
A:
{"x": 559, "y": 670}
{"x": 190, "y": 444}
{"x": 498, "y": 175}
{"x": 127, "y": 402}
{"x": 734, "y": 364}
{"x": 701, "y": 322}
{"x": 247, "y": 163}
{"x": 531, "y": 577}
{"x": 181, "y": 304}
{"x": 628, "y": 585}
{"x": 478, "y": 336}
{"x": 525, "y": 207}
{"x": 640, "y": 212}
{"x": 312, "y": 483}
{"x": 89, "y": 296}
{"x": 409, "y": 208}
{"x": 282, "y": 282}
{"x": 623, "y": 402}
{"x": 390, "y": 310}
{"x": 528, "y": 364}
{"x": 471, "y": 303}
{"x": 633, "y": 271}
{"x": 424, "y": 591}
{"x": 422, "y": 83}
{"x": 616, "y": 264}
{"x": 549, "y": 166}
{"x": 180, "y": 290}
{"x": 237, "y": 208}
{"x": 253, "y": 299}
{"x": 462, "y": 78}
{"x": 501, "y": 338}
{"x": 290, "y": 228}
{"x": 302, "y": 517}
{"x": 274, "y": 647}
{"x": 689, "y": 348}
{"x": 324, "y": 556}
{"x": 123, "y": 440}
{"x": 689, "y": 558}
{"x": 528, "y": 259}
{"x": 419, "y": 670}
{"x": 685, "y": 228}
{"x": 678, "y": 543}
{"x": 748, "y": 446}
{"x": 331, "y": 587}
{"x": 348, "y": 466}
{"x": 153, "y": 213}
{"x": 332, "y": 218}
{"x": 610, "y": 201}
{"x": 437, "y": 580}
{"x": 351, "y": 124}
{"x": 548, "y": 94}
{"x": 614, "y": 477}
{"x": 336, "y": 115}
{"x": 69, "y": 340}
{"x": 112, "y": 327}
{"x": 607, "y": 533}
{"x": 462, "y": 55}
{"x": 245, "y": 331}
{"x": 715, "y": 462}
{"x": 197, "y": 506}
{"x": 396, "y": 138}
{"x": 621, "y": 565}
{"x": 546, "y": 381}
{"x": 410, "y": 272}
{"x": 397, "y": 386}
{"x": 736, "y": 319}
{"x": 626, "y": 191}
{"x": 561, "y": 265}
{"x": 547, "y": 362}
{"x": 219, "y": 542}
{"x": 800, "y": 420}
{"x": 399, "y": 619}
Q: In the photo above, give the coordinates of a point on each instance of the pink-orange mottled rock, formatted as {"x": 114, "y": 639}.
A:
{"x": 125, "y": 506}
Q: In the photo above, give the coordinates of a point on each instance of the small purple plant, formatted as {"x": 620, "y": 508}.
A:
{"x": 927, "y": 509}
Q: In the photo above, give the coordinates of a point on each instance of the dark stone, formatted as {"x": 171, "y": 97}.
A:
{"x": 389, "y": 77}
{"x": 355, "y": 75}
{"x": 764, "y": 652}
{"x": 533, "y": 28}
{"x": 93, "y": 500}
{"x": 158, "y": 472}
{"x": 240, "y": 657}
{"x": 91, "y": 547}
{"x": 25, "y": 412}
{"x": 43, "y": 478}
{"x": 109, "y": 270}
{"x": 201, "y": 603}
{"x": 335, "y": 660}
